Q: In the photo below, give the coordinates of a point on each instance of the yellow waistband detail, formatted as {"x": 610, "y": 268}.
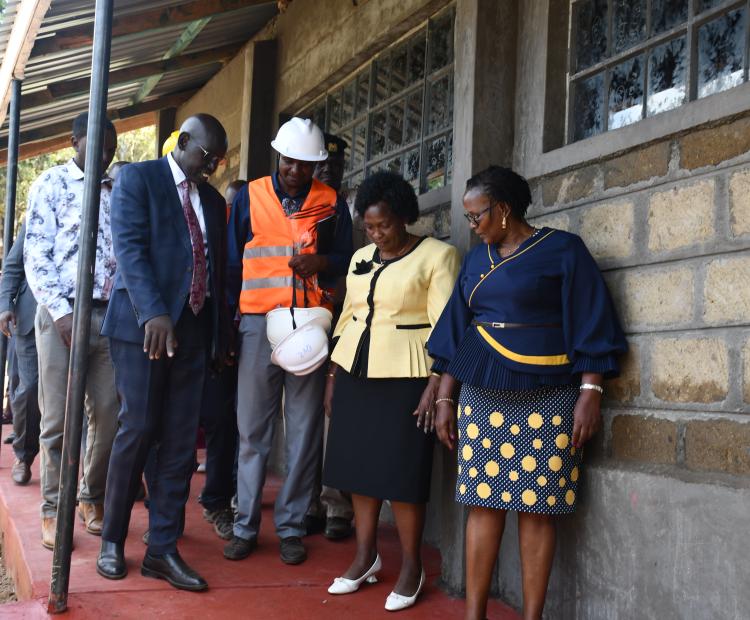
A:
{"x": 538, "y": 360}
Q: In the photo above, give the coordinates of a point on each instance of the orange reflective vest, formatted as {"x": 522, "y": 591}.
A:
{"x": 267, "y": 279}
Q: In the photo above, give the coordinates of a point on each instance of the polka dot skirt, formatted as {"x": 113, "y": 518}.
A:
{"x": 515, "y": 450}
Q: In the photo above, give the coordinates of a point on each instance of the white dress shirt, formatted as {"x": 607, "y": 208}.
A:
{"x": 50, "y": 251}
{"x": 195, "y": 201}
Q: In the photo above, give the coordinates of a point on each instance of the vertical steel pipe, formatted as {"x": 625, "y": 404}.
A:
{"x": 58, "y": 598}
{"x": 11, "y": 178}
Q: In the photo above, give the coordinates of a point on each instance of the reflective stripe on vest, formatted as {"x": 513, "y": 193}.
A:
{"x": 267, "y": 279}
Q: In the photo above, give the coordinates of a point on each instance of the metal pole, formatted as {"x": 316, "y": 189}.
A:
{"x": 11, "y": 178}
{"x": 58, "y": 597}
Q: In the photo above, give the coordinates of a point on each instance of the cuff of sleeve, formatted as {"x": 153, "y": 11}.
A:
{"x": 606, "y": 365}
{"x": 440, "y": 365}
{"x": 59, "y": 308}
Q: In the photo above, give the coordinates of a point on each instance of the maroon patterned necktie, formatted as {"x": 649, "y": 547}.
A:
{"x": 198, "y": 284}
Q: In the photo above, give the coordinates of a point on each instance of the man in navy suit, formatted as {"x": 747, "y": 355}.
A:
{"x": 166, "y": 321}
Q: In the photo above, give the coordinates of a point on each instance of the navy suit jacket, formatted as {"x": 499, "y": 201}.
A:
{"x": 154, "y": 255}
{"x": 15, "y": 294}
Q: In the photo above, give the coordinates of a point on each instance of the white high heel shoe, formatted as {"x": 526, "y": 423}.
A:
{"x": 342, "y": 585}
{"x": 396, "y": 602}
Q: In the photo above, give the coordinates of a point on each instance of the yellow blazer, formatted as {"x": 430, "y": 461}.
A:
{"x": 409, "y": 295}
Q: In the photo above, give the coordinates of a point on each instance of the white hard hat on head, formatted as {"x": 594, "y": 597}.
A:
{"x": 300, "y": 138}
{"x": 280, "y": 322}
{"x": 303, "y": 351}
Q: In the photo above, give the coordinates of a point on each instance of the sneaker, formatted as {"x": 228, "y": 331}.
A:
{"x": 239, "y": 548}
{"x": 292, "y": 550}
{"x": 223, "y": 521}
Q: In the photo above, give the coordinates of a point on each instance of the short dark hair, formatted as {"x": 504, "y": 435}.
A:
{"x": 81, "y": 122}
{"x": 503, "y": 185}
{"x": 392, "y": 189}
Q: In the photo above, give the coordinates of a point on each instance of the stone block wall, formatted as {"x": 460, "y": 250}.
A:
{"x": 669, "y": 224}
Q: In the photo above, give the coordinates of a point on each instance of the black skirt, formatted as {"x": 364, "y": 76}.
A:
{"x": 374, "y": 446}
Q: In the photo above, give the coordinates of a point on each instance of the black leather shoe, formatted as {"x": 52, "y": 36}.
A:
{"x": 337, "y": 528}
{"x": 111, "y": 560}
{"x": 292, "y": 550}
{"x": 172, "y": 568}
{"x": 239, "y": 548}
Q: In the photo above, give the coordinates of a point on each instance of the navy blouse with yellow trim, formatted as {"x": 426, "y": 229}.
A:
{"x": 552, "y": 286}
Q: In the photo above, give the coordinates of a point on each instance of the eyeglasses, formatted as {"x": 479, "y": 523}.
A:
{"x": 475, "y": 218}
{"x": 209, "y": 157}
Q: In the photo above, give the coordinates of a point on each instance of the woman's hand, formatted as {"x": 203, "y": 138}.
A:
{"x": 445, "y": 423}
{"x": 587, "y": 417}
{"x": 425, "y": 410}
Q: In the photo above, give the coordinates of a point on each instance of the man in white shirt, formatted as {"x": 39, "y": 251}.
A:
{"x": 53, "y": 222}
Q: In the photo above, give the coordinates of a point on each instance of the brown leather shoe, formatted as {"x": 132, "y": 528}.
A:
{"x": 49, "y": 526}
{"x": 21, "y": 473}
{"x": 92, "y": 515}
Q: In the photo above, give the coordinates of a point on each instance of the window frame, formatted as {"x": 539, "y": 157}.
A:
{"x": 688, "y": 28}
{"x": 320, "y": 110}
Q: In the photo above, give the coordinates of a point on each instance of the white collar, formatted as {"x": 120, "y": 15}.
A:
{"x": 177, "y": 174}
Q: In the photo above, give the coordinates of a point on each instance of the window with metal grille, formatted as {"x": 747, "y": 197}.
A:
{"x": 632, "y": 59}
{"x": 396, "y": 113}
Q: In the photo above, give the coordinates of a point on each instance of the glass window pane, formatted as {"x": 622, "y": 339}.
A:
{"x": 590, "y": 21}
{"x": 334, "y": 111}
{"x": 417, "y": 48}
{"x": 398, "y": 70}
{"x": 628, "y": 23}
{"x": 382, "y": 69}
{"x": 626, "y": 93}
{"x": 395, "y": 135}
{"x": 436, "y": 158}
{"x": 666, "y": 14}
{"x": 440, "y": 110}
{"x": 347, "y": 102}
{"x": 667, "y": 74}
{"x": 359, "y": 142}
{"x": 363, "y": 91}
{"x": 441, "y": 42}
{"x": 411, "y": 168}
{"x": 377, "y": 133}
{"x": 704, "y": 5}
{"x": 587, "y": 107}
{"x": 721, "y": 48}
{"x": 413, "y": 116}
{"x": 449, "y": 162}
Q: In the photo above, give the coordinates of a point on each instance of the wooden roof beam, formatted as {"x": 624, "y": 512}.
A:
{"x": 82, "y": 36}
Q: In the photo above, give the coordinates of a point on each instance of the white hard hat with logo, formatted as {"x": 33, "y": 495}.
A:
{"x": 300, "y": 138}
{"x": 280, "y": 322}
{"x": 303, "y": 351}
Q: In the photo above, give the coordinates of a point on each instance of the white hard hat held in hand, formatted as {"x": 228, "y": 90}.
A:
{"x": 303, "y": 351}
{"x": 279, "y": 323}
{"x": 300, "y": 138}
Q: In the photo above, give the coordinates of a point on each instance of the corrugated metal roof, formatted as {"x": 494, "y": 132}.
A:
{"x": 130, "y": 50}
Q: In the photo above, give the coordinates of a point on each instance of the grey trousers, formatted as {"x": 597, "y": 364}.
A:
{"x": 24, "y": 399}
{"x": 101, "y": 406}
{"x": 327, "y": 501}
{"x": 260, "y": 388}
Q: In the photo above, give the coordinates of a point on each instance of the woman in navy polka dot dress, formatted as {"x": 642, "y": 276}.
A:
{"x": 525, "y": 341}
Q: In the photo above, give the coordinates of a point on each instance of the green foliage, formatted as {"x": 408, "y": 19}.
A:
{"x": 136, "y": 145}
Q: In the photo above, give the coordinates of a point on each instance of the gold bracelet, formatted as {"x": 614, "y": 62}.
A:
{"x": 446, "y": 400}
{"x": 435, "y": 374}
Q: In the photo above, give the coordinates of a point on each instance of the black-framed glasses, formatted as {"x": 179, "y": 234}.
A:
{"x": 208, "y": 156}
{"x": 475, "y": 218}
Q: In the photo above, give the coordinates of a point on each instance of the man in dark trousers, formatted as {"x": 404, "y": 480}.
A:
{"x": 17, "y": 311}
{"x": 167, "y": 321}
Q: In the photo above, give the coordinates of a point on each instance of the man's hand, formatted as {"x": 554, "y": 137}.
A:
{"x": 64, "y": 327}
{"x": 160, "y": 337}
{"x": 306, "y": 265}
{"x": 7, "y": 319}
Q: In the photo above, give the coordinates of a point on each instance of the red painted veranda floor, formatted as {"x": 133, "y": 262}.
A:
{"x": 258, "y": 587}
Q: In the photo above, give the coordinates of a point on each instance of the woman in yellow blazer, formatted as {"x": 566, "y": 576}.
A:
{"x": 380, "y": 393}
